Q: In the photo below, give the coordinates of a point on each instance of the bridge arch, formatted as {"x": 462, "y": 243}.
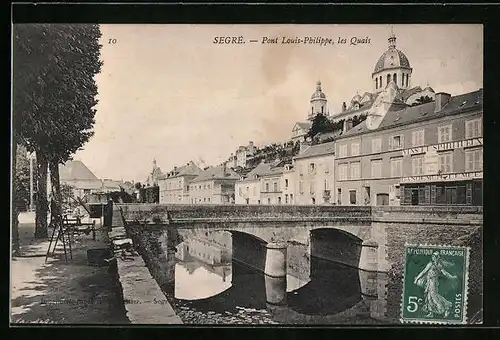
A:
{"x": 335, "y": 245}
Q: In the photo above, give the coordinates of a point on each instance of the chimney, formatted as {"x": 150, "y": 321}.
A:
{"x": 348, "y": 124}
{"x": 224, "y": 168}
{"x": 344, "y": 107}
{"x": 175, "y": 168}
{"x": 250, "y": 144}
{"x": 442, "y": 99}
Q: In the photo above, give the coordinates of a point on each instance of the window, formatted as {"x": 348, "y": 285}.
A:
{"x": 403, "y": 79}
{"x": 473, "y": 128}
{"x": 396, "y": 167}
{"x": 388, "y": 78}
{"x": 342, "y": 172}
{"x": 286, "y": 183}
{"x": 444, "y": 134}
{"x": 396, "y": 142}
{"x": 301, "y": 170}
{"x": 474, "y": 160}
{"x": 380, "y": 81}
{"x": 275, "y": 187}
{"x": 279, "y": 200}
{"x": 239, "y": 191}
{"x": 311, "y": 168}
{"x": 267, "y": 187}
{"x": 417, "y": 168}
{"x": 312, "y": 188}
{"x": 376, "y": 168}
{"x": 352, "y": 196}
{"x": 445, "y": 162}
{"x": 407, "y": 76}
{"x": 354, "y": 149}
{"x": 327, "y": 168}
{"x": 355, "y": 170}
{"x": 327, "y": 185}
{"x": 248, "y": 189}
{"x": 395, "y": 78}
{"x": 208, "y": 186}
{"x": 343, "y": 150}
{"x": 268, "y": 201}
{"x": 286, "y": 198}
{"x": 376, "y": 145}
{"x": 209, "y": 199}
{"x": 339, "y": 196}
{"x": 301, "y": 187}
{"x": 376, "y": 83}
{"x": 417, "y": 138}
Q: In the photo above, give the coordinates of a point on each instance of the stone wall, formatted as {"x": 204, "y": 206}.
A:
{"x": 389, "y": 227}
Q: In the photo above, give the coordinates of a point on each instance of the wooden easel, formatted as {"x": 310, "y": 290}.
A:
{"x": 60, "y": 235}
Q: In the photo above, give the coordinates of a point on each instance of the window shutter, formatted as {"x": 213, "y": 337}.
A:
{"x": 468, "y": 195}
{"x": 433, "y": 194}
{"x": 407, "y": 196}
{"x": 390, "y": 143}
{"x": 402, "y": 141}
{"x": 468, "y": 130}
{"x": 427, "y": 194}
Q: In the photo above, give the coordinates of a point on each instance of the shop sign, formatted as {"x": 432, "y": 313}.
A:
{"x": 460, "y": 176}
{"x": 444, "y": 146}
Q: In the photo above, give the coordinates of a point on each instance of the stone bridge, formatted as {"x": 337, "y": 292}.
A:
{"x": 366, "y": 238}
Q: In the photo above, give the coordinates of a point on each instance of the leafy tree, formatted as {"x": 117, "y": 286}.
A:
{"x": 54, "y": 98}
{"x": 422, "y": 100}
{"x": 320, "y": 124}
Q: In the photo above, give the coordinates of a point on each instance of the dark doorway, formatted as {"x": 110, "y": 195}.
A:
{"x": 382, "y": 199}
{"x": 414, "y": 196}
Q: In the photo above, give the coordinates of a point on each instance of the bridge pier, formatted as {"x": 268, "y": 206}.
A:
{"x": 275, "y": 260}
{"x": 275, "y": 273}
{"x": 369, "y": 256}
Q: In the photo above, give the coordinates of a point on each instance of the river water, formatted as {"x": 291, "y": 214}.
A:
{"x": 234, "y": 293}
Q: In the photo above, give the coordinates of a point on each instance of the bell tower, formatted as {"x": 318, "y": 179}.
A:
{"x": 318, "y": 103}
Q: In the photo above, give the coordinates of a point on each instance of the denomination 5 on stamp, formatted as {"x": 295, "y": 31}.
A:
{"x": 435, "y": 284}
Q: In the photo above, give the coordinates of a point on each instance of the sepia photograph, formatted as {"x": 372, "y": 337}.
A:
{"x": 268, "y": 174}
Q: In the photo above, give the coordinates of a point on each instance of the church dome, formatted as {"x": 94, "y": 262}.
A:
{"x": 319, "y": 93}
{"x": 392, "y": 57}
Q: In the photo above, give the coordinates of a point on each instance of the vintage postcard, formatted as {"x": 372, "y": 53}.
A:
{"x": 247, "y": 174}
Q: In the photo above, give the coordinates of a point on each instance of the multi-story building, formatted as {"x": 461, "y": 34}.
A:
{"x": 272, "y": 183}
{"x": 76, "y": 175}
{"x": 215, "y": 185}
{"x": 425, "y": 154}
{"x": 247, "y": 189}
{"x": 242, "y": 154}
{"x": 314, "y": 174}
{"x": 174, "y": 187}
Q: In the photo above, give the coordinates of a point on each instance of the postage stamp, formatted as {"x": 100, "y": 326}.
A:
{"x": 435, "y": 284}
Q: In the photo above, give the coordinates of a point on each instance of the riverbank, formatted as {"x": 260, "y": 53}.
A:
{"x": 60, "y": 293}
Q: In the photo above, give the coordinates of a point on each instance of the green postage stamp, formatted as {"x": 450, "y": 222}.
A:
{"x": 435, "y": 284}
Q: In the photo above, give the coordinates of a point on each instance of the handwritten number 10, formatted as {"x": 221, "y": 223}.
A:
{"x": 112, "y": 41}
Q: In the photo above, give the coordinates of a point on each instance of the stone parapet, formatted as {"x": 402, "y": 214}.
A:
{"x": 144, "y": 301}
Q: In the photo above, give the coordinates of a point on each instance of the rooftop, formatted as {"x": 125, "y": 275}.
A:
{"x": 317, "y": 150}
{"x": 217, "y": 172}
{"x": 424, "y": 112}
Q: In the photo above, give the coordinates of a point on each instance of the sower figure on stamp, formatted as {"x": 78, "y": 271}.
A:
{"x": 434, "y": 303}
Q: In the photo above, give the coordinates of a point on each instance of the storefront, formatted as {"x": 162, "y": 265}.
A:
{"x": 452, "y": 189}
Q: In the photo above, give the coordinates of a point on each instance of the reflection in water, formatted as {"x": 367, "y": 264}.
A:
{"x": 333, "y": 294}
{"x": 195, "y": 280}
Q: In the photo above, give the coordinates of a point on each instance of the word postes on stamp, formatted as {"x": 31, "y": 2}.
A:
{"x": 435, "y": 284}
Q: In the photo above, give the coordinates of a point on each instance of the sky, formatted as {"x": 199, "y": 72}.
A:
{"x": 167, "y": 92}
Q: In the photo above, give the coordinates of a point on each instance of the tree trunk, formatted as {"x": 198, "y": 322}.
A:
{"x": 56, "y": 212}
{"x": 41, "y": 197}
{"x": 15, "y": 210}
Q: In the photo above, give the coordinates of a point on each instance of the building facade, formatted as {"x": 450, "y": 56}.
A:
{"x": 76, "y": 175}
{"x": 215, "y": 185}
{"x": 247, "y": 188}
{"x": 314, "y": 174}
{"x": 174, "y": 186}
{"x": 428, "y": 154}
